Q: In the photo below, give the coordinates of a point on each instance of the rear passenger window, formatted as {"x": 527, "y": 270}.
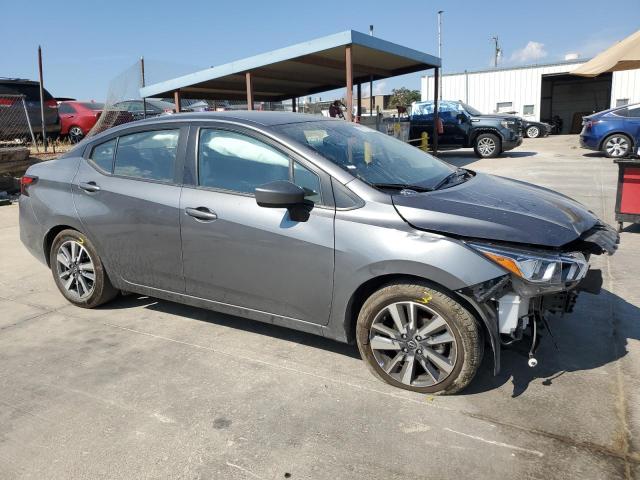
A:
{"x": 150, "y": 155}
{"x": 237, "y": 162}
{"x": 634, "y": 112}
{"x": 102, "y": 155}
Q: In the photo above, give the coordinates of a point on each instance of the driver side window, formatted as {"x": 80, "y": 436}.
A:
{"x": 240, "y": 163}
{"x": 236, "y": 162}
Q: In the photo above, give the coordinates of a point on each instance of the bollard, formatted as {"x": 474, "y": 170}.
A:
{"x": 424, "y": 142}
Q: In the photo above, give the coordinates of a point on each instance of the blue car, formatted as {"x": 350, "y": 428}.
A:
{"x": 614, "y": 132}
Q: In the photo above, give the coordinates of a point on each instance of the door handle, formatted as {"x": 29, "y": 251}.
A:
{"x": 89, "y": 186}
{"x": 201, "y": 213}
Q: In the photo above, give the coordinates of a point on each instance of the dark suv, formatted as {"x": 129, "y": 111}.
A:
{"x": 463, "y": 126}
{"x": 13, "y": 121}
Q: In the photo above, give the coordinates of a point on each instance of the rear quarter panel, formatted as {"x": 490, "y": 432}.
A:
{"x": 51, "y": 198}
{"x": 607, "y": 125}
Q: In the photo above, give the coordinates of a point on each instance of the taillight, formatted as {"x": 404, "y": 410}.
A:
{"x": 7, "y": 102}
{"x": 51, "y": 104}
{"x": 25, "y": 182}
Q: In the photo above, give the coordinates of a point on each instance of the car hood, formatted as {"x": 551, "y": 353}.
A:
{"x": 496, "y": 208}
{"x": 496, "y": 116}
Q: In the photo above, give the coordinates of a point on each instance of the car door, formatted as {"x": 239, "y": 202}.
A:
{"x": 451, "y": 131}
{"x": 240, "y": 254}
{"x": 421, "y": 120}
{"x": 127, "y": 194}
{"x": 632, "y": 124}
{"x": 67, "y": 113}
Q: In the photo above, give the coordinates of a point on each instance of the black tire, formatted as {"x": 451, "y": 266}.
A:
{"x": 620, "y": 139}
{"x": 101, "y": 290}
{"x": 459, "y": 321}
{"x": 482, "y": 145}
{"x": 75, "y": 134}
{"x": 533, "y": 131}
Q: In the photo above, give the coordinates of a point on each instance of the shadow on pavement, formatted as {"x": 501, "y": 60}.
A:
{"x": 632, "y": 228}
{"x": 239, "y": 323}
{"x": 594, "y": 335}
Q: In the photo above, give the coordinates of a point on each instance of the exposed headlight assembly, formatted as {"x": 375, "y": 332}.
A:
{"x": 507, "y": 123}
{"x": 537, "y": 267}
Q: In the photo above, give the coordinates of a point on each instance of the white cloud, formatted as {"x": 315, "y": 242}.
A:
{"x": 378, "y": 87}
{"x": 531, "y": 52}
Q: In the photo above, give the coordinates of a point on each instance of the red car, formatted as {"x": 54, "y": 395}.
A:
{"x": 77, "y": 118}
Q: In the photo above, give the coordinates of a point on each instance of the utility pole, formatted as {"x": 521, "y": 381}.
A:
{"x": 440, "y": 12}
{"x": 371, "y": 81}
{"x": 44, "y": 129}
{"x": 142, "y": 82}
{"x": 497, "y": 51}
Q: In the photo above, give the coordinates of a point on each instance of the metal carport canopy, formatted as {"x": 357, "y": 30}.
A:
{"x": 319, "y": 65}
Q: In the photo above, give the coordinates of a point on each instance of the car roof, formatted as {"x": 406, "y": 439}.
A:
{"x": 251, "y": 118}
{"x": 17, "y": 81}
{"x": 262, "y": 118}
{"x": 630, "y": 105}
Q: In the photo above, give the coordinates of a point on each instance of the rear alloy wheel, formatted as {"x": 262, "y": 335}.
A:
{"x": 533, "y": 132}
{"x": 617, "y": 146}
{"x": 78, "y": 271}
{"x": 419, "y": 339}
{"x": 487, "y": 145}
{"x": 75, "y": 134}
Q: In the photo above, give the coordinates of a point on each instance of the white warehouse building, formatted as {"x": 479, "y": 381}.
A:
{"x": 539, "y": 92}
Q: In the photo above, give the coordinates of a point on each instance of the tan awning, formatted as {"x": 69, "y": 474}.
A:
{"x": 624, "y": 55}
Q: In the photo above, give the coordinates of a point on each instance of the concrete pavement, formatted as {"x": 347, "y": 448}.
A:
{"x": 143, "y": 388}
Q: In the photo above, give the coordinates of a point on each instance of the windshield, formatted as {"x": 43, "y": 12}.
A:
{"x": 470, "y": 109}
{"x": 368, "y": 154}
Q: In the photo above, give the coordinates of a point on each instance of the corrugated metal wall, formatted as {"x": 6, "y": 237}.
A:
{"x": 626, "y": 85}
{"x": 522, "y": 86}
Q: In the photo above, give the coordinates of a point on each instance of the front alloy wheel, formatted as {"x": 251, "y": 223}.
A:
{"x": 419, "y": 338}
{"x": 617, "y": 146}
{"x": 487, "y": 145}
{"x": 533, "y": 132}
{"x": 413, "y": 344}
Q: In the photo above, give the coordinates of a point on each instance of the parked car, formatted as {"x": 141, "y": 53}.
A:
{"x": 463, "y": 126}
{"x": 13, "y": 121}
{"x": 533, "y": 129}
{"x": 154, "y": 108}
{"x": 77, "y": 118}
{"x": 614, "y": 132}
{"x": 315, "y": 224}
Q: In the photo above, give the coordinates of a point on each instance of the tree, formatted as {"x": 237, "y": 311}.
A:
{"x": 403, "y": 97}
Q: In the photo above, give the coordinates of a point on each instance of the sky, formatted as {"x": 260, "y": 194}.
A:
{"x": 88, "y": 45}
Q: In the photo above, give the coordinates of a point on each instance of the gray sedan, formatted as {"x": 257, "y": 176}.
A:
{"x": 318, "y": 225}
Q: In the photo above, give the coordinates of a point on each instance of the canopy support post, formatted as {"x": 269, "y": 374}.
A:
{"x": 294, "y": 106}
{"x": 359, "y": 101}
{"x": 436, "y": 80}
{"x": 349, "y": 72}
{"x": 176, "y": 100}
{"x": 249, "y": 91}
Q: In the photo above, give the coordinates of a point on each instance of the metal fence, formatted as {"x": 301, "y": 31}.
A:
{"x": 16, "y": 127}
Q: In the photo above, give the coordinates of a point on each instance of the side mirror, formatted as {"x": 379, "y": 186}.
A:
{"x": 279, "y": 194}
{"x": 462, "y": 117}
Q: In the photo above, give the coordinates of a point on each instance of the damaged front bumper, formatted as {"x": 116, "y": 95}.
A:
{"x": 511, "y": 305}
